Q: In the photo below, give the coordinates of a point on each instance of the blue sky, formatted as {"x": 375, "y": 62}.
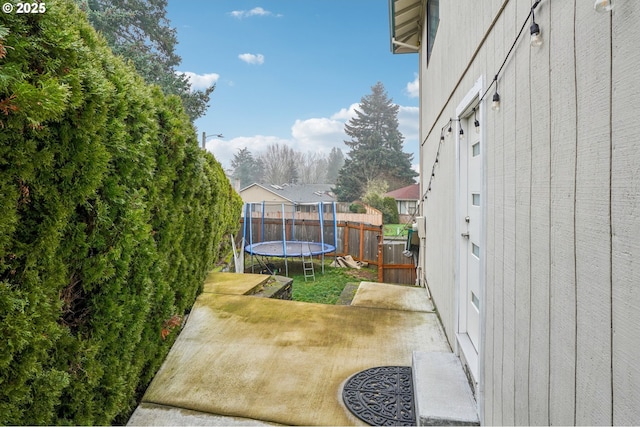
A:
{"x": 290, "y": 71}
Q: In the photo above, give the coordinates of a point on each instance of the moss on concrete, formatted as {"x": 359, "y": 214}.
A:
{"x": 284, "y": 361}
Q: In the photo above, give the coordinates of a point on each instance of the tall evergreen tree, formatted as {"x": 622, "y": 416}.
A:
{"x": 139, "y": 31}
{"x": 335, "y": 163}
{"x": 376, "y": 148}
{"x": 246, "y": 168}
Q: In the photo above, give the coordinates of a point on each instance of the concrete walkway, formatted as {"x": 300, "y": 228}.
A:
{"x": 282, "y": 362}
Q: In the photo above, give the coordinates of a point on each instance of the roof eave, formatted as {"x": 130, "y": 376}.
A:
{"x": 405, "y": 25}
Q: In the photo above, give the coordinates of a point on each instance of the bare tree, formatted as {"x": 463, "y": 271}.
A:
{"x": 313, "y": 168}
{"x": 280, "y": 165}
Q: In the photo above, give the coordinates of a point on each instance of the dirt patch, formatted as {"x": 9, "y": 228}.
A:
{"x": 363, "y": 274}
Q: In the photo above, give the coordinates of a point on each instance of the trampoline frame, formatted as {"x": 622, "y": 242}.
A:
{"x": 251, "y": 246}
{"x": 323, "y": 248}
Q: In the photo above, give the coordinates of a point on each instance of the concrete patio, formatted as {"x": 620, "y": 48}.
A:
{"x": 243, "y": 360}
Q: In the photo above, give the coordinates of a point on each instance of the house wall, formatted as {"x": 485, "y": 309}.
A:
{"x": 372, "y": 216}
{"x": 562, "y": 258}
{"x": 257, "y": 194}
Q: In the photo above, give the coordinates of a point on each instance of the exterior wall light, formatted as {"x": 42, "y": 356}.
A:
{"x": 495, "y": 104}
{"x": 536, "y": 37}
{"x": 476, "y": 123}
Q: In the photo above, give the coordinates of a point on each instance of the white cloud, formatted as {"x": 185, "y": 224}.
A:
{"x": 256, "y": 11}
{"x": 409, "y": 125}
{"x": 224, "y": 150}
{"x": 250, "y": 58}
{"x": 317, "y": 135}
{"x": 345, "y": 114}
{"x": 200, "y": 81}
{"x": 413, "y": 88}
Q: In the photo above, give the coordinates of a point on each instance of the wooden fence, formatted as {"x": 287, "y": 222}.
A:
{"x": 364, "y": 242}
{"x": 275, "y": 210}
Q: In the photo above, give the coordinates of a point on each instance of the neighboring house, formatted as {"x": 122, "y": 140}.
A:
{"x": 304, "y": 196}
{"x": 406, "y": 200}
{"x": 531, "y": 243}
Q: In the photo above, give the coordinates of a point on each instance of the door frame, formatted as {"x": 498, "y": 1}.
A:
{"x": 463, "y": 346}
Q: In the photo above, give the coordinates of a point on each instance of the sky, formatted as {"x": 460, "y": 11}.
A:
{"x": 290, "y": 71}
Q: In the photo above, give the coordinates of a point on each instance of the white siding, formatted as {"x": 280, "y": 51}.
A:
{"x": 540, "y": 228}
{"x": 563, "y": 205}
{"x": 625, "y": 213}
{"x": 522, "y": 236}
{"x": 563, "y": 239}
{"x": 593, "y": 222}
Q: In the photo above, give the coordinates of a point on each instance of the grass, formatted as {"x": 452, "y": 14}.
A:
{"x": 391, "y": 230}
{"x": 327, "y": 287}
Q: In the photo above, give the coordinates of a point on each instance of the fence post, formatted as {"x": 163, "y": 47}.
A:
{"x": 380, "y": 258}
{"x": 345, "y": 248}
{"x": 361, "y": 257}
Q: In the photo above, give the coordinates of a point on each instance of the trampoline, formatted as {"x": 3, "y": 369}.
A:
{"x": 289, "y": 249}
{"x": 302, "y": 230}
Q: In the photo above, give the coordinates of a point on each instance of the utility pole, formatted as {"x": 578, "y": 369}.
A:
{"x": 205, "y": 136}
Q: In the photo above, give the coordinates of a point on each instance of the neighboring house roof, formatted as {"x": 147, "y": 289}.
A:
{"x": 410, "y": 192}
{"x": 405, "y": 25}
{"x": 299, "y": 193}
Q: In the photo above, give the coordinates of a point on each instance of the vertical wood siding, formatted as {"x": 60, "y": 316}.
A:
{"x": 522, "y": 237}
{"x": 560, "y": 339}
{"x": 563, "y": 238}
{"x": 539, "y": 81}
{"x": 625, "y": 213}
{"x": 593, "y": 222}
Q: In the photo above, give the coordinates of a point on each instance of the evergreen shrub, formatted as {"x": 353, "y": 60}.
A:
{"x": 110, "y": 218}
{"x": 386, "y": 205}
{"x": 357, "y": 208}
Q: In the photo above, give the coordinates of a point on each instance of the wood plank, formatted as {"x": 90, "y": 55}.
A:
{"x": 399, "y": 266}
{"x": 496, "y": 179}
{"x": 486, "y": 354}
{"x": 522, "y": 280}
{"x": 593, "y": 238}
{"x": 539, "y": 83}
{"x": 625, "y": 211}
{"x": 380, "y": 262}
{"x": 563, "y": 161}
{"x": 509, "y": 85}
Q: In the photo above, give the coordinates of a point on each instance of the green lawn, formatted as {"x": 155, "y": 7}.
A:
{"x": 327, "y": 287}
{"x": 391, "y": 230}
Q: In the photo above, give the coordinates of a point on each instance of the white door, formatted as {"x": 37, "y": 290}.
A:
{"x": 471, "y": 199}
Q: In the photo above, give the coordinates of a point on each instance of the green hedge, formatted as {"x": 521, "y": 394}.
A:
{"x": 110, "y": 218}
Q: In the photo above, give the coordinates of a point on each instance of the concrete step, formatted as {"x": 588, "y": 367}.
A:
{"x": 348, "y": 293}
{"x": 442, "y": 393}
{"x": 234, "y": 283}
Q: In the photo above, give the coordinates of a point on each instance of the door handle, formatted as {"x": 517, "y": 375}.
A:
{"x": 465, "y": 234}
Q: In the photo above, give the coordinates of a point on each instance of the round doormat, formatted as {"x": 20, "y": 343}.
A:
{"x": 381, "y": 396}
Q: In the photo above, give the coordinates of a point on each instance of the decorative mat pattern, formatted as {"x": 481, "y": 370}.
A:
{"x": 381, "y": 396}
